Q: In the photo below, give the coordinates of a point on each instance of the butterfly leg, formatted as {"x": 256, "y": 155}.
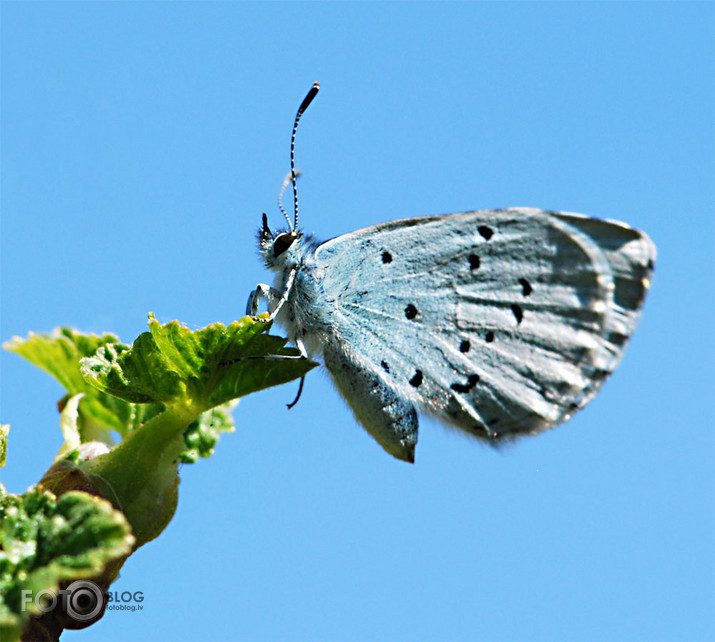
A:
{"x": 275, "y": 300}
{"x": 303, "y": 355}
{"x": 300, "y": 392}
{"x": 273, "y": 297}
{"x": 262, "y": 291}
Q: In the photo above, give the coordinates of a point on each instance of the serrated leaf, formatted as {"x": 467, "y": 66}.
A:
{"x": 59, "y": 353}
{"x": 124, "y": 372}
{"x": 200, "y": 369}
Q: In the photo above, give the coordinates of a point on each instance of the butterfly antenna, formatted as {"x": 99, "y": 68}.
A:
{"x": 286, "y": 182}
{"x": 303, "y": 106}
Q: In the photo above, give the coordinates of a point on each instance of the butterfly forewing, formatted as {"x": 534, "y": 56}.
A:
{"x": 500, "y": 322}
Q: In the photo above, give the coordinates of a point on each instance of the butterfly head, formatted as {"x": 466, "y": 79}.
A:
{"x": 277, "y": 248}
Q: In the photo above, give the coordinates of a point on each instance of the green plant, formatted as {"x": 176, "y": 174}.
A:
{"x": 168, "y": 397}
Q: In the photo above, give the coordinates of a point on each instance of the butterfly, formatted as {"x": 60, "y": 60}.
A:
{"x": 500, "y": 322}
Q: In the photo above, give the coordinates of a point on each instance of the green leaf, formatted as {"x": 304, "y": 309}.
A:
{"x": 124, "y": 387}
{"x": 191, "y": 372}
{"x": 203, "y": 433}
{"x": 59, "y": 353}
{"x": 45, "y": 540}
{"x": 169, "y": 395}
{"x": 198, "y": 369}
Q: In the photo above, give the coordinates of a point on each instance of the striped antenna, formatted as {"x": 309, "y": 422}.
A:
{"x": 303, "y": 106}
{"x": 286, "y": 182}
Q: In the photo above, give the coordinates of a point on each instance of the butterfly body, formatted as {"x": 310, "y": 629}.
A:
{"x": 499, "y": 322}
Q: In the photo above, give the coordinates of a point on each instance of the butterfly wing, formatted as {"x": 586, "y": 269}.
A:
{"x": 500, "y": 322}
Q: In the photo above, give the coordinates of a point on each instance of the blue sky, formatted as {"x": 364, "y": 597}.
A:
{"x": 140, "y": 144}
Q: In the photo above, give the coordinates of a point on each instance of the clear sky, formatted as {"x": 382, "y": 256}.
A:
{"x": 140, "y": 144}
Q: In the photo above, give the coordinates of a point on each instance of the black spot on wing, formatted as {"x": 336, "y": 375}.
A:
{"x": 617, "y": 338}
{"x": 385, "y": 366}
{"x": 472, "y": 380}
{"x": 489, "y": 337}
{"x": 526, "y": 288}
{"x": 486, "y": 232}
{"x": 464, "y": 346}
{"x": 416, "y": 381}
{"x": 386, "y": 257}
{"x": 518, "y": 312}
{"x": 410, "y": 311}
{"x": 474, "y": 262}
{"x": 600, "y": 374}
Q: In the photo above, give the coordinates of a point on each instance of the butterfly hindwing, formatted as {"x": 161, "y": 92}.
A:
{"x": 380, "y": 407}
{"x": 500, "y": 322}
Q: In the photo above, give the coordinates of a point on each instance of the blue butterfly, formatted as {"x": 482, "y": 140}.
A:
{"x": 499, "y": 322}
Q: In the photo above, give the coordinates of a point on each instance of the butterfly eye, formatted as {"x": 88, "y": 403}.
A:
{"x": 282, "y": 242}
